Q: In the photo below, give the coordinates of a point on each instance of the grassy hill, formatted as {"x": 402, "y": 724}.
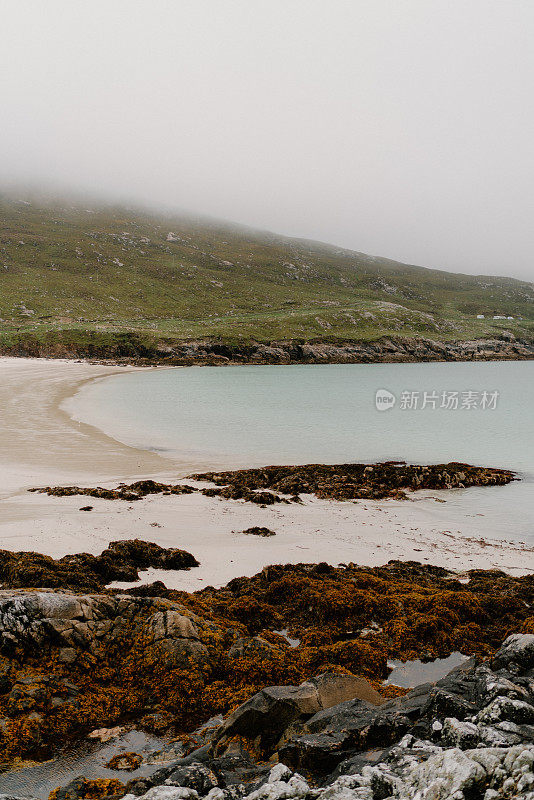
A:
{"x": 72, "y": 271}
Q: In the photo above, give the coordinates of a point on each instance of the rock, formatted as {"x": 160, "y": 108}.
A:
{"x": 81, "y": 788}
{"x": 267, "y": 715}
{"x": 333, "y": 689}
{"x": 446, "y": 773}
{"x": 268, "y": 486}
{"x": 125, "y": 761}
{"x": 67, "y": 655}
{"x": 408, "y": 748}
{"x": 464, "y": 735}
{"x": 516, "y": 654}
{"x": 259, "y": 531}
{"x": 506, "y": 708}
{"x": 295, "y": 787}
{"x": 194, "y": 776}
{"x": 121, "y": 561}
{"x": 106, "y": 734}
{"x": 12, "y": 797}
{"x": 253, "y": 647}
{"x": 347, "y": 481}
{"x": 170, "y": 793}
{"x": 171, "y": 625}
{"x": 153, "y": 660}
{"x": 176, "y": 637}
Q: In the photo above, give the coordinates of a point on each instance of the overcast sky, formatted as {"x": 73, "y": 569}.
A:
{"x": 402, "y": 128}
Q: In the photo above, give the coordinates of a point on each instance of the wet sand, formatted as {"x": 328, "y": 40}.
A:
{"x": 39, "y": 441}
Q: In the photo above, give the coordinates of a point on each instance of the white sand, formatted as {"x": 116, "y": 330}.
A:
{"x": 41, "y": 445}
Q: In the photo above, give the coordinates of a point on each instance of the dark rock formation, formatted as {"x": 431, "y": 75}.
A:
{"x": 132, "y": 491}
{"x": 266, "y": 485}
{"x": 462, "y": 738}
{"x": 121, "y": 561}
{"x": 259, "y": 531}
{"x": 127, "y": 349}
{"x": 263, "y": 719}
{"x": 125, "y": 761}
{"x": 74, "y": 662}
{"x": 83, "y": 789}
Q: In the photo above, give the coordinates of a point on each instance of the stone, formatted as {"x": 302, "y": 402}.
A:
{"x": 446, "y": 773}
{"x": 171, "y": 625}
{"x": 170, "y": 793}
{"x": 194, "y": 776}
{"x": 268, "y": 713}
{"x": 333, "y": 689}
{"x": 125, "y": 761}
{"x": 80, "y": 788}
{"x": 106, "y": 734}
{"x": 516, "y": 653}
{"x": 464, "y": 735}
{"x": 253, "y": 647}
{"x": 67, "y": 655}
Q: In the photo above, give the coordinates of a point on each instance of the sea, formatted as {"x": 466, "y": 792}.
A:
{"x": 228, "y": 417}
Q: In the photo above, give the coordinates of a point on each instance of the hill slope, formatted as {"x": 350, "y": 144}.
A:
{"x": 69, "y": 270}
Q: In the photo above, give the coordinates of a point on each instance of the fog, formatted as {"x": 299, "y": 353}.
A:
{"x": 401, "y": 128}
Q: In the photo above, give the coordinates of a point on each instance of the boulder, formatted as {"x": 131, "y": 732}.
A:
{"x": 333, "y": 689}
{"x": 266, "y": 715}
{"x": 125, "y": 761}
{"x": 171, "y": 625}
{"x": 445, "y": 774}
{"x": 176, "y": 637}
{"x": 194, "y": 776}
{"x": 81, "y": 788}
{"x": 253, "y": 647}
{"x": 516, "y": 654}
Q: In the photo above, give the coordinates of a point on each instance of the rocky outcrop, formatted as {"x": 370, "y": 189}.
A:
{"x": 351, "y": 481}
{"x": 129, "y": 349}
{"x": 129, "y": 492}
{"x": 280, "y": 484}
{"x": 72, "y": 663}
{"x": 121, "y": 561}
{"x": 46, "y": 621}
{"x": 76, "y": 662}
{"x": 263, "y": 719}
{"x": 442, "y": 741}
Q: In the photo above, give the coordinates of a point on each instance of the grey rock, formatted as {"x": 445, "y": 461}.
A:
{"x": 269, "y": 712}
{"x": 194, "y": 776}
{"x": 516, "y": 653}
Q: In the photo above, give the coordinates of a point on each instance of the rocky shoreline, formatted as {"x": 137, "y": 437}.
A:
{"x": 166, "y": 661}
{"x": 130, "y": 348}
{"x": 285, "y": 484}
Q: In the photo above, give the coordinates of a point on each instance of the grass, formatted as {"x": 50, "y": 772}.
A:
{"x": 69, "y": 271}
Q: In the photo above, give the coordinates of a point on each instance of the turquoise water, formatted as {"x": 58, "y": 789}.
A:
{"x": 257, "y": 415}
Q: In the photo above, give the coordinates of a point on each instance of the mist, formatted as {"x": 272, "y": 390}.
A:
{"x": 401, "y": 128}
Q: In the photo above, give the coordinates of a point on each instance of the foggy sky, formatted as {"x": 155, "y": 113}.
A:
{"x": 402, "y": 128}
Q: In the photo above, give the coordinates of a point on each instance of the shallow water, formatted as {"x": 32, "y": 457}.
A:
{"x": 413, "y": 673}
{"x": 87, "y": 759}
{"x": 255, "y": 415}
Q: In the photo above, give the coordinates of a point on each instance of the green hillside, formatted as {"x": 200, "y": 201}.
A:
{"x": 78, "y": 269}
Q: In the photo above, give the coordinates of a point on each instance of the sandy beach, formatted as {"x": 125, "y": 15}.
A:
{"x": 41, "y": 445}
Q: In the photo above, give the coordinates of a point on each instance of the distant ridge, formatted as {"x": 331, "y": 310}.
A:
{"x": 71, "y": 273}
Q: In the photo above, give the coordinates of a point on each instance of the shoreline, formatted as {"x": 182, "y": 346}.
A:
{"x": 43, "y": 446}
{"x": 131, "y": 348}
{"x": 39, "y": 438}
